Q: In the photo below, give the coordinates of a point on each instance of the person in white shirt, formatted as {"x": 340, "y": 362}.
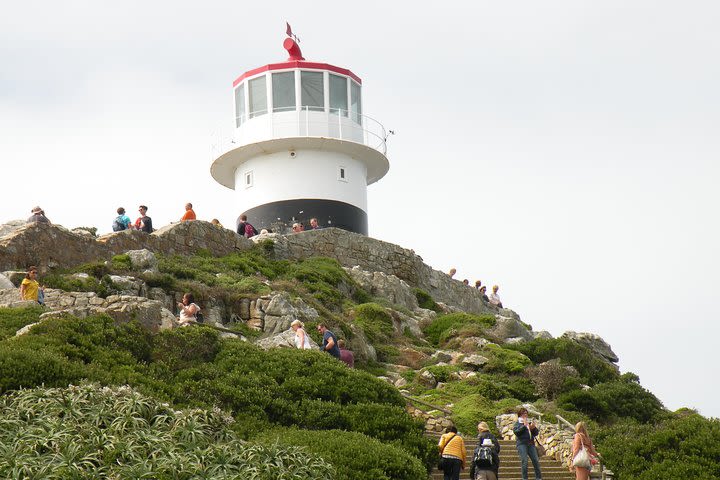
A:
{"x": 495, "y": 298}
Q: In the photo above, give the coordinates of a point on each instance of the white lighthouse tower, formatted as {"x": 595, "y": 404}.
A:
{"x": 301, "y": 146}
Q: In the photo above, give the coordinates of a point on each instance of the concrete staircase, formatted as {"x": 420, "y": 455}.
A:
{"x": 510, "y": 463}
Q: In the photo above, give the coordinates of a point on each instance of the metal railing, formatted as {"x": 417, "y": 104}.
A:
{"x": 306, "y": 121}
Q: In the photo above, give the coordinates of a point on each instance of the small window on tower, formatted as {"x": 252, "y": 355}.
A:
{"x": 342, "y": 175}
{"x": 248, "y": 179}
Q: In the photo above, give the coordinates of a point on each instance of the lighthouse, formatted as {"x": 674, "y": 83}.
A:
{"x": 301, "y": 146}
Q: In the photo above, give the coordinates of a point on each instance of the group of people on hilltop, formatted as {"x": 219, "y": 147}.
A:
{"x": 143, "y": 222}
{"x": 493, "y": 298}
{"x": 330, "y": 342}
{"x": 485, "y": 463}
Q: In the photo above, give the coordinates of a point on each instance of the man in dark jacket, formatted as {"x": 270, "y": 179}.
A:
{"x": 525, "y": 433}
{"x": 485, "y": 439}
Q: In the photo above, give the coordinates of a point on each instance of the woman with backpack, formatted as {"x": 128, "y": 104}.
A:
{"x": 486, "y": 458}
{"x": 452, "y": 454}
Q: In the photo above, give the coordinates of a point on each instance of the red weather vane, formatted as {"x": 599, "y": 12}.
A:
{"x": 289, "y": 32}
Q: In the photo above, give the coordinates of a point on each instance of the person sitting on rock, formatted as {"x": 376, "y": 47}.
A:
{"x": 346, "y": 355}
{"x": 302, "y": 339}
{"x": 143, "y": 223}
{"x": 245, "y": 228}
{"x": 298, "y": 227}
{"x": 189, "y": 213}
{"x": 30, "y": 288}
{"x": 122, "y": 221}
{"x": 452, "y": 272}
{"x": 466, "y": 282}
{"x": 188, "y": 310}
{"x": 478, "y": 284}
{"x": 38, "y": 216}
{"x": 314, "y": 225}
{"x": 495, "y": 298}
{"x": 216, "y": 222}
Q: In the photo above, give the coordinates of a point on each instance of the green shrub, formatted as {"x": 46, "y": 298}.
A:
{"x": 442, "y": 372}
{"x": 683, "y": 445}
{"x": 24, "y": 367}
{"x": 354, "y": 455}
{"x": 590, "y": 366}
{"x": 469, "y": 410}
{"x": 503, "y": 360}
{"x": 444, "y": 323}
{"x": 375, "y": 321}
{"x": 186, "y": 347}
{"x": 94, "y": 432}
{"x": 13, "y": 319}
{"x": 425, "y": 300}
{"x": 121, "y": 262}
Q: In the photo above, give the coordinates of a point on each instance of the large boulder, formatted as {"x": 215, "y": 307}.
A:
{"x": 386, "y": 286}
{"x": 509, "y": 330}
{"x": 285, "y": 339}
{"x": 5, "y": 282}
{"x": 143, "y": 260}
{"x": 594, "y": 343}
{"x": 281, "y": 309}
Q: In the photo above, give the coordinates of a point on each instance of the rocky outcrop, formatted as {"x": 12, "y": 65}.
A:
{"x": 594, "y": 343}
{"x": 273, "y": 313}
{"x": 49, "y": 246}
{"x": 372, "y": 255}
{"x": 509, "y": 330}
{"x": 5, "y": 282}
{"x": 386, "y": 286}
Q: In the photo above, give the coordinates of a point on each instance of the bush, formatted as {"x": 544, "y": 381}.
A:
{"x": 503, "y": 360}
{"x": 354, "y": 455}
{"x": 121, "y": 262}
{"x": 549, "y": 378}
{"x": 375, "y": 321}
{"x": 94, "y": 432}
{"x": 591, "y": 367}
{"x": 23, "y": 367}
{"x": 426, "y": 301}
{"x": 684, "y": 445}
{"x": 469, "y": 410}
{"x": 13, "y": 319}
{"x": 444, "y": 323}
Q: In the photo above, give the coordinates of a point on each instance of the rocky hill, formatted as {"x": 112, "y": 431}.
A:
{"x": 422, "y": 341}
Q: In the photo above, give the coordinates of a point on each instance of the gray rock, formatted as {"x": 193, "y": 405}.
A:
{"x": 401, "y": 383}
{"x": 143, "y": 260}
{"x": 24, "y": 330}
{"x": 386, "y": 286}
{"x": 507, "y": 328}
{"x": 595, "y": 343}
{"x": 5, "y": 282}
{"x": 427, "y": 379}
{"x": 543, "y": 334}
{"x": 475, "y": 362}
{"x": 284, "y": 339}
{"x": 129, "y": 285}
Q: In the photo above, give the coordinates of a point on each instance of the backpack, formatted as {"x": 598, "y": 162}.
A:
{"x": 118, "y": 225}
{"x": 250, "y": 230}
{"x": 199, "y": 317}
{"x": 484, "y": 457}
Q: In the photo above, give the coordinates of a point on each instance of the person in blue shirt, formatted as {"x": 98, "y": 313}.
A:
{"x": 330, "y": 343}
{"x": 122, "y": 221}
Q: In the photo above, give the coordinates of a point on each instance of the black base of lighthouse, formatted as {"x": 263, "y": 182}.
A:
{"x": 279, "y": 216}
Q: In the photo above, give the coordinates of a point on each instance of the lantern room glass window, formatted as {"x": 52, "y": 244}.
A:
{"x": 338, "y": 95}
{"x": 239, "y": 105}
{"x": 312, "y": 89}
{"x": 258, "y": 96}
{"x": 355, "y": 103}
{"x": 283, "y": 91}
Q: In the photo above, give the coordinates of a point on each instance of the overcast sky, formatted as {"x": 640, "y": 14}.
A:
{"x": 565, "y": 150}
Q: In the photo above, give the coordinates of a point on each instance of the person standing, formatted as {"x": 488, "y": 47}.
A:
{"x": 452, "y": 451}
{"x": 302, "y": 339}
{"x": 525, "y": 433}
{"x": 30, "y": 288}
{"x": 486, "y": 440}
{"x": 143, "y": 223}
{"x": 495, "y": 298}
{"x": 38, "y": 216}
{"x": 329, "y": 341}
{"x": 189, "y": 213}
{"x": 580, "y": 441}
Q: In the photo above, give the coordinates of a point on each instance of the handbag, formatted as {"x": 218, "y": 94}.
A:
{"x": 582, "y": 459}
{"x": 540, "y": 449}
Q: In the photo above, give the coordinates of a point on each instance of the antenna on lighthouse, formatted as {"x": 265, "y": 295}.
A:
{"x": 291, "y": 44}
{"x": 290, "y": 33}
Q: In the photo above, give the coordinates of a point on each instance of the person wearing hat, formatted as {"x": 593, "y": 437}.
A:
{"x": 485, "y": 440}
{"x": 482, "y": 291}
{"x": 38, "y": 216}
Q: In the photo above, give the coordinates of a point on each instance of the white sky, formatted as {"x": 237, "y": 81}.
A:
{"x": 566, "y": 150}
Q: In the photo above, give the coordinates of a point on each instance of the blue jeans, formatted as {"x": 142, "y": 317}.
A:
{"x": 525, "y": 451}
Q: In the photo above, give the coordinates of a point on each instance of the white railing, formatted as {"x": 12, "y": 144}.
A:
{"x": 301, "y": 122}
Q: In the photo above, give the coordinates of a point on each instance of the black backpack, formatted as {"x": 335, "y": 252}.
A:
{"x": 484, "y": 457}
{"x": 199, "y": 317}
